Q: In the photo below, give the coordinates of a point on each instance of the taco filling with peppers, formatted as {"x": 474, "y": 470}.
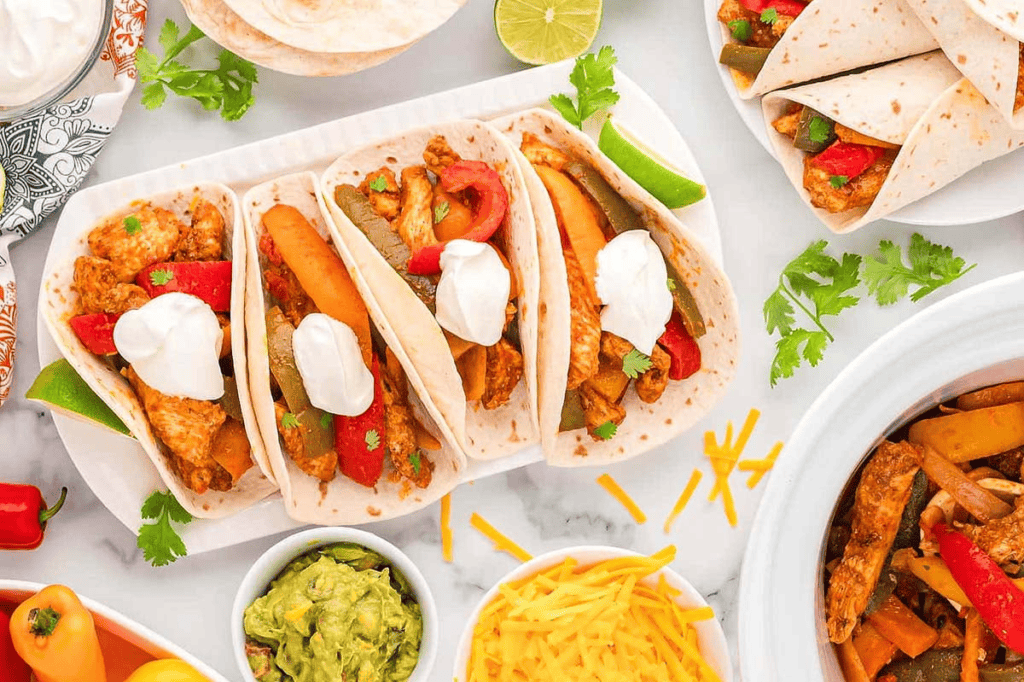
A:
{"x": 757, "y": 26}
{"x": 155, "y": 304}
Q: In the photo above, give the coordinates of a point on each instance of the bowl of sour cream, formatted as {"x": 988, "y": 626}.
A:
{"x": 48, "y": 48}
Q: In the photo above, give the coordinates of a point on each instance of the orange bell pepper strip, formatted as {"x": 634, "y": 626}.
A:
{"x": 55, "y": 634}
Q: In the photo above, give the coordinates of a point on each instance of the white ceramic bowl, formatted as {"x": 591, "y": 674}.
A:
{"x": 713, "y": 645}
{"x": 970, "y": 340}
{"x": 257, "y": 581}
{"x": 17, "y": 591}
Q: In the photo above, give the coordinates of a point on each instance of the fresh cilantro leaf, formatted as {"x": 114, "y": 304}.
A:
{"x": 153, "y": 96}
{"x": 440, "y": 211}
{"x": 740, "y": 29}
{"x": 671, "y": 284}
{"x": 160, "y": 277}
{"x": 417, "y": 463}
{"x": 606, "y": 431}
{"x": 325, "y": 420}
{"x": 778, "y": 313}
{"x": 379, "y": 183}
{"x": 168, "y": 35}
{"x": 770, "y": 16}
{"x": 159, "y": 541}
{"x": 289, "y": 420}
{"x": 635, "y": 363}
{"x": 593, "y": 77}
{"x": 931, "y": 266}
{"x": 372, "y": 440}
{"x": 838, "y": 181}
{"x": 819, "y": 130}
{"x": 788, "y": 354}
{"x": 132, "y": 225}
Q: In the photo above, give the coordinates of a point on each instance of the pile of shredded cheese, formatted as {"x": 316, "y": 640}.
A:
{"x": 612, "y": 621}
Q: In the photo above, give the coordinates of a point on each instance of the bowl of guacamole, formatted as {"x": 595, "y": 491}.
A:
{"x": 334, "y": 604}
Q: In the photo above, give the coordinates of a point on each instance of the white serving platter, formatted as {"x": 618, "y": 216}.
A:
{"x": 988, "y": 192}
{"x": 115, "y": 467}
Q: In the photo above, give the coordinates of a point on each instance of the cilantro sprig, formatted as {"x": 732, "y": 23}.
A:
{"x": 635, "y": 363}
{"x": 838, "y": 181}
{"x": 770, "y": 16}
{"x": 441, "y": 211}
{"x": 372, "y": 440}
{"x": 227, "y": 88}
{"x": 607, "y": 430}
{"x": 379, "y": 183}
{"x": 289, "y": 420}
{"x": 593, "y": 77}
{"x": 819, "y": 130}
{"x": 931, "y": 266}
{"x": 159, "y": 541}
{"x": 132, "y": 225}
{"x": 417, "y": 462}
{"x": 160, "y": 277}
{"x": 740, "y": 29}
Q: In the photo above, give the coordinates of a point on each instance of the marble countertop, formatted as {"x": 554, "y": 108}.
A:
{"x": 664, "y": 48}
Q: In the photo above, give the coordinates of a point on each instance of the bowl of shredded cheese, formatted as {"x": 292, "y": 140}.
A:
{"x": 594, "y": 612}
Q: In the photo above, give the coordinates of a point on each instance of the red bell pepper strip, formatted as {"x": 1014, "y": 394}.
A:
{"x": 12, "y": 667}
{"x": 359, "y": 441}
{"x": 681, "y": 347}
{"x": 998, "y": 600}
{"x": 207, "y": 280}
{"x": 791, "y": 8}
{"x": 23, "y": 515}
{"x": 848, "y": 160}
{"x": 493, "y": 203}
{"x": 96, "y": 332}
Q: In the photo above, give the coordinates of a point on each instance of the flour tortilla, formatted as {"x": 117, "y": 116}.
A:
{"x": 345, "y": 26}
{"x": 835, "y": 36}
{"x": 1005, "y": 15}
{"x": 944, "y": 124}
{"x": 987, "y": 57}
{"x": 226, "y": 28}
{"x": 342, "y": 501}
{"x": 484, "y": 434}
{"x": 59, "y": 304}
{"x": 684, "y": 402}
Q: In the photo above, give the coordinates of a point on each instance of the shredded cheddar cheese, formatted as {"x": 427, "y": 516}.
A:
{"x": 684, "y": 499}
{"x": 612, "y": 621}
{"x": 724, "y": 458}
{"x": 501, "y": 543}
{"x": 616, "y": 491}
{"x": 446, "y": 527}
{"x": 760, "y": 467}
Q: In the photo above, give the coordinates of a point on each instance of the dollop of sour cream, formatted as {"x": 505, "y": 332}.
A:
{"x": 473, "y": 292}
{"x": 632, "y": 282}
{"x": 173, "y": 342}
{"x": 43, "y": 43}
{"x": 331, "y": 365}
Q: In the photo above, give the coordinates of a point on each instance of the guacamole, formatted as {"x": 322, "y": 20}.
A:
{"x": 340, "y": 612}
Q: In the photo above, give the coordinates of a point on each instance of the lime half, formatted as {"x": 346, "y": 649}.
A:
{"x": 545, "y": 31}
{"x": 60, "y": 388}
{"x": 651, "y": 171}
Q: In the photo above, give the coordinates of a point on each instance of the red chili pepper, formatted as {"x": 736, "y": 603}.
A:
{"x": 207, "y": 280}
{"x": 998, "y": 600}
{"x": 848, "y": 160}
{"x": 12, "y": 667}
{"x": 23, "y": 515}
{"x": 96, "y": 332}
{"x": 359, "y": 441}
{"x": 791, "y": 8}
{"x": 681, "y": 347}
{"x": 493, "y": 203}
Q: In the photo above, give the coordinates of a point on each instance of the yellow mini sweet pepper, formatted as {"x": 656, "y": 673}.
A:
{"x": 55, "y": 634}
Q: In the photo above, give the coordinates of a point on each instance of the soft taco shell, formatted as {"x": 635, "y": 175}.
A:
{"x": 59, "y": 303}
{"x": 684, "y": 402}
{"x": 835, "y": 36}
{"x": 485, "y": 434}
{"x": 1005, "y": 15}
{"x": 306, "y": 499}
{"x": 945, "y": 127}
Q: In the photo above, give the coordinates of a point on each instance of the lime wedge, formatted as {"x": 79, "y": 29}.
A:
{"x": 60, "y": 388}
{"x": 545, "y": 31}
{"x": 651, "y": 171}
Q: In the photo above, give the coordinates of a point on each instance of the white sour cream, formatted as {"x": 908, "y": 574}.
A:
{"x": 331, "y": 365}
{"x": 632, "y": 282}
{"x": 473, "y": 292}
{"x": 173, "y": 342}
{"x": 43, "y": 43}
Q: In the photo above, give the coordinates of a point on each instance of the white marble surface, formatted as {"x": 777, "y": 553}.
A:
{"x": 662, "y": 45}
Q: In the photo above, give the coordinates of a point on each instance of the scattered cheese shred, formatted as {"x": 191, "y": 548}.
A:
{"x": 446, "y": 527}
{"x": 760, "y": 467}
{"x": 724, "y": 458}
{"x": 684, "y": 499}
{"x": 612, "y": 621}
{"x": 616, "y": 491}
{"x": 501, "y": 543}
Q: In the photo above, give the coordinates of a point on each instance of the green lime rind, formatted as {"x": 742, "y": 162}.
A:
{"x": 653, "y": 173}
{"x": 546, "y": 31}
{"x": 60, "y": 388}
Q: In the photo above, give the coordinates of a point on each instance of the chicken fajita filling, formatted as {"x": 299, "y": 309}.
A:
{"x": 756, "y": 26}
{"x": 1018, "y": 100}
{"x": 843, "y": 169}
{"x": 152, "y": 285}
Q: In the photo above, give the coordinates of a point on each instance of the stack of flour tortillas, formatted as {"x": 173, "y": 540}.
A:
{"x": 319, "y": 37}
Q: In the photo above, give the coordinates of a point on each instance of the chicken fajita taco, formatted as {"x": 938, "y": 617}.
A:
{"x": 437, "y": 223}
{"x": 150, "y": 313}
{"x": 641, "y": 333}
{"x": 351, "y": 436}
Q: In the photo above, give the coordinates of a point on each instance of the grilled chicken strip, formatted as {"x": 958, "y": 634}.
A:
{"x": 100, "y": 292}
{"x": 415, "y": 224}
{"x": 540, "y": 154}
{"x": 131, "y": 246}
{"x": 400, "y": 436}
{"x": 652, "y": 384}
{"x": 439, "y": 155}
{"x": 859, "y": 191}
{"x": 585, "y": 323}
{"x": 882, "y": 494}
{"x": 204, "y": 238}
{"x": 598, "y": 409}
{"x": 504, "y": 370}
{"x": 386, "y": 202}
{"x": 323, "y": 467}
{"x": 1002, "y": 539}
